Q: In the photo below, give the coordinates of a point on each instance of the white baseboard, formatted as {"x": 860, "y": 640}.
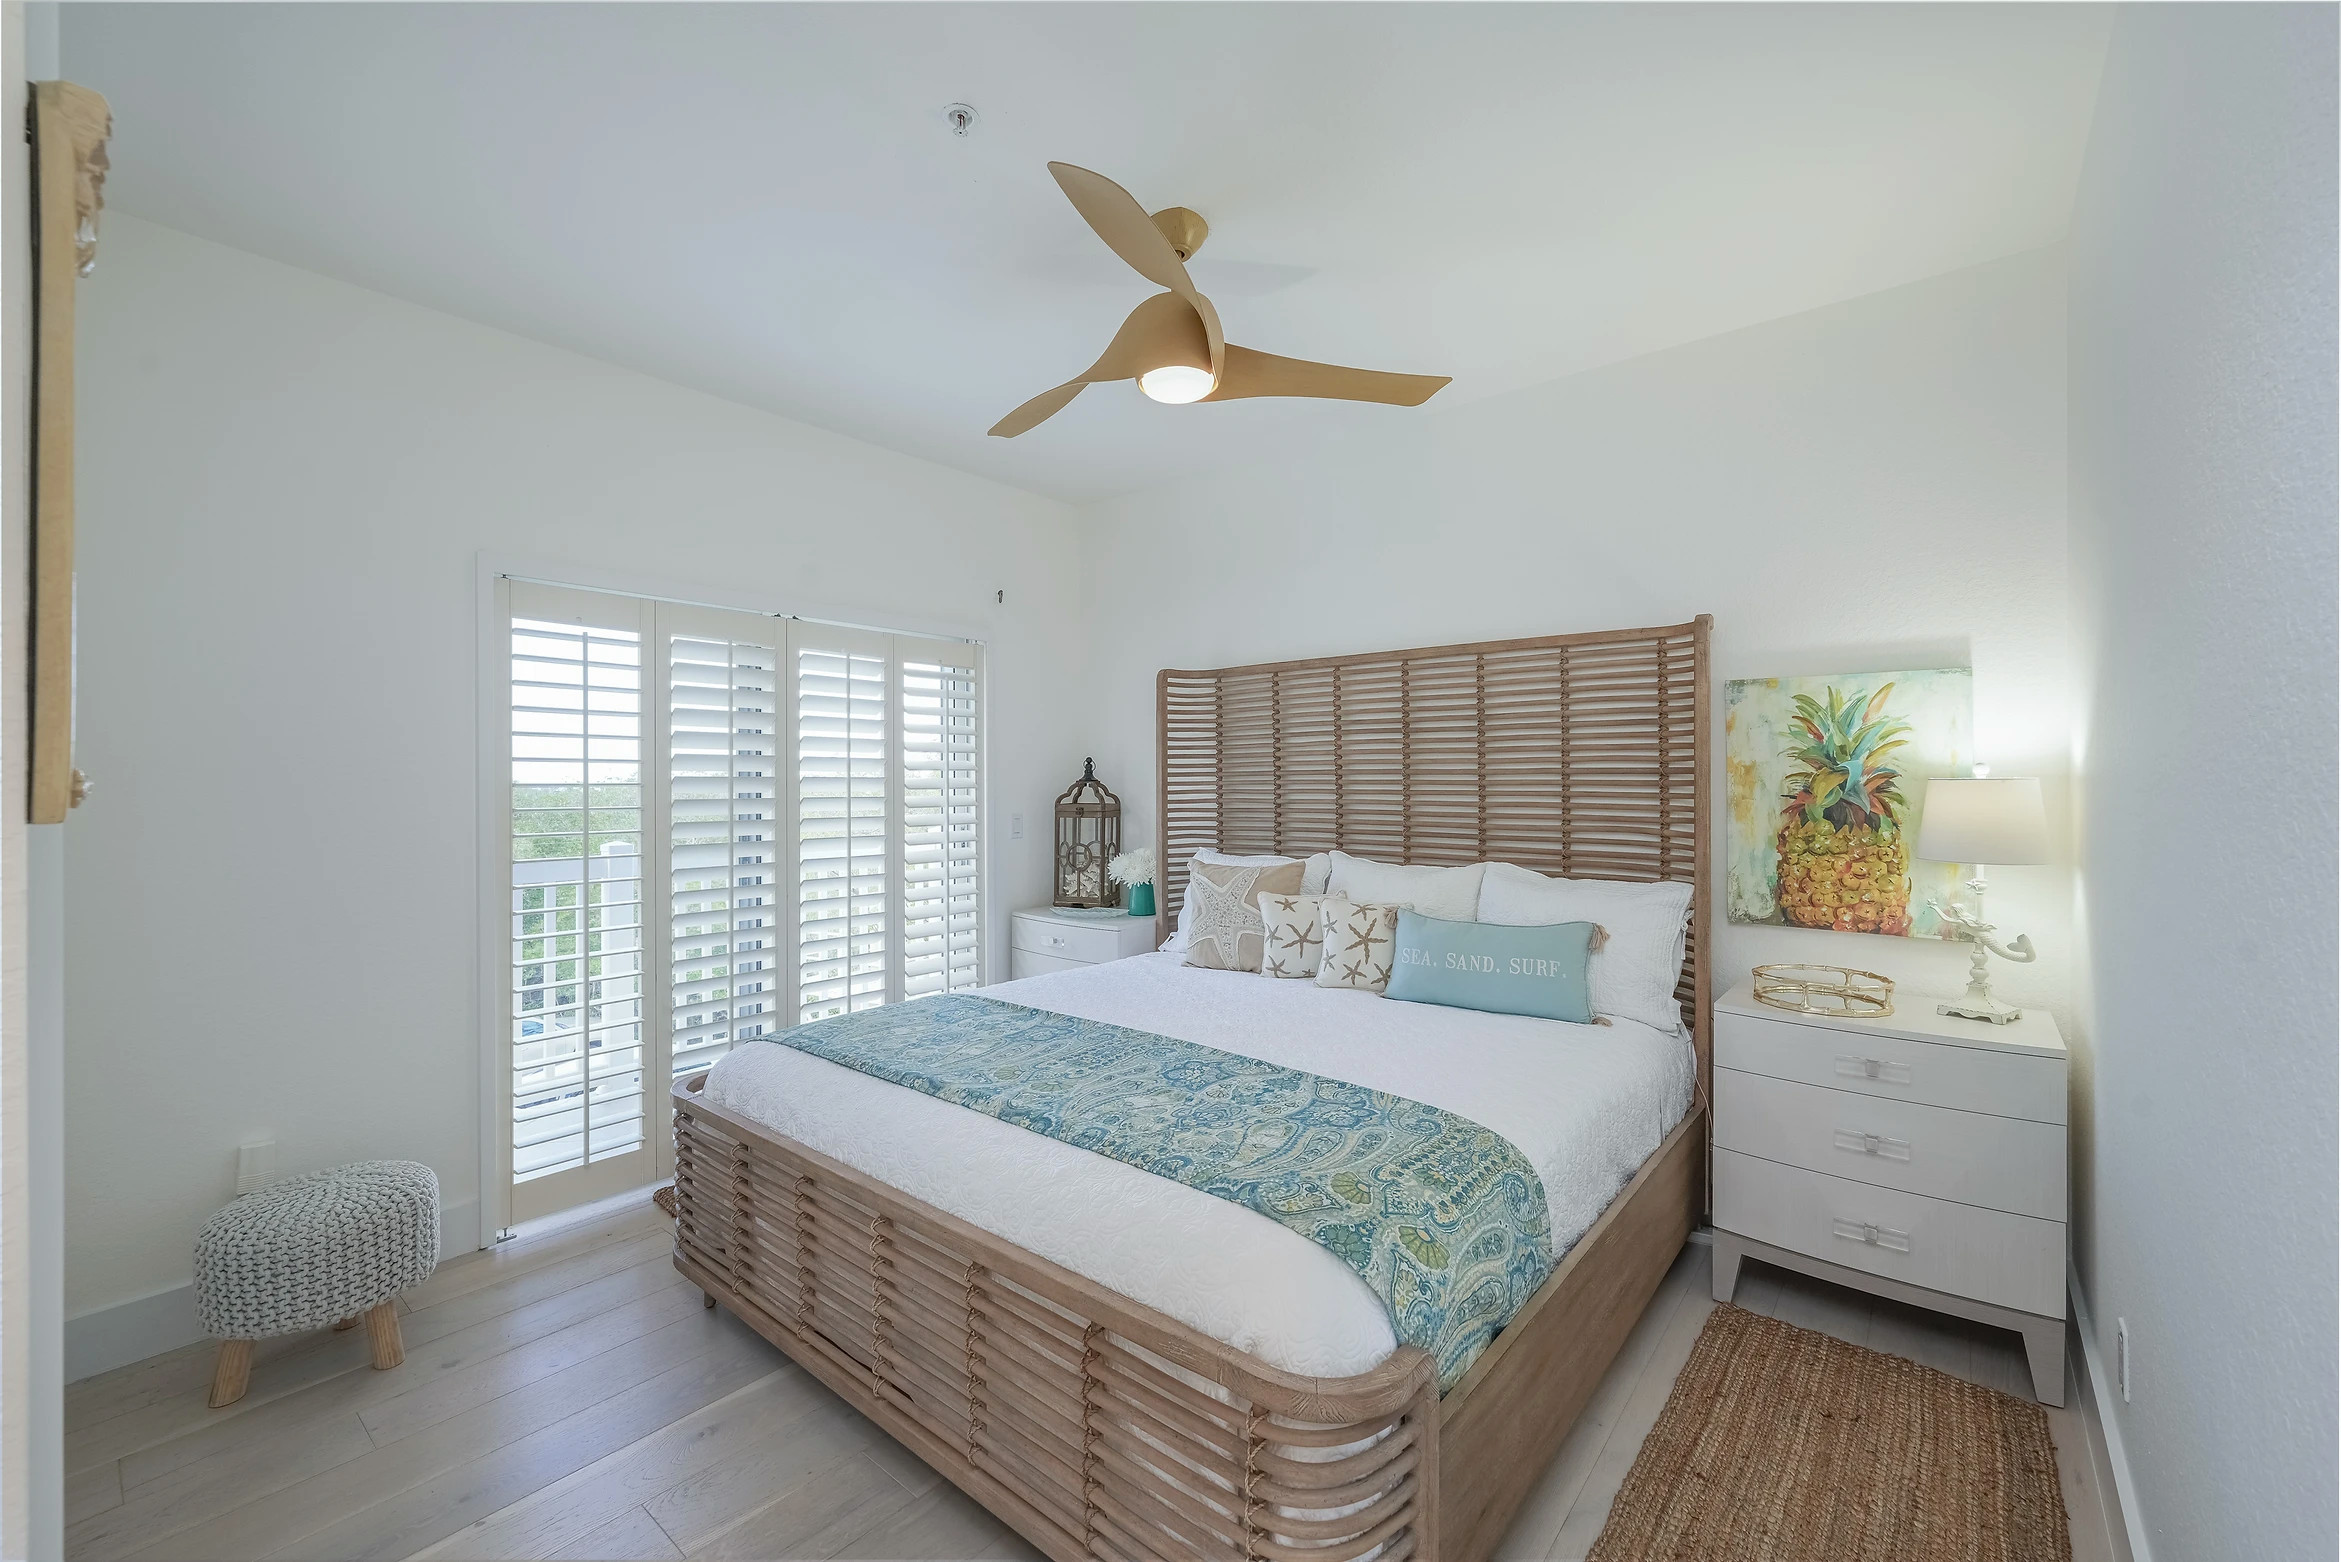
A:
{"x": 615, "y": 1204}
{"x": 109, "y": 1337}
{"x": 2095, "y": 1402}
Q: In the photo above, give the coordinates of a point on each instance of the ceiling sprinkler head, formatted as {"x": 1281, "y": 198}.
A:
{"x": 961, "y": 118}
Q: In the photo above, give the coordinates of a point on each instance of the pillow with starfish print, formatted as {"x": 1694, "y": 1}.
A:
{"x": 1295, "y": 935}
{"x": 1360, "y": 943}
{"x": 1227, "y": 934}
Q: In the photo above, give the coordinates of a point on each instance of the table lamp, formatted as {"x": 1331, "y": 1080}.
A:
{"x": 1978, "y": 820}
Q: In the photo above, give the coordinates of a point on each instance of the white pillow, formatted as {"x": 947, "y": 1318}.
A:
{"x": 1296, "y": 934}
{"x": 1360, "y": 943}
{"x": 1633, "y": 974}
{"x": 1450, "y": 894}
{"x": 1313, "y": 872}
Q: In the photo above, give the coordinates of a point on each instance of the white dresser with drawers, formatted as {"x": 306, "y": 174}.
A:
{"x": 1040, "y": 940}
{"x": 1917, "y": 1156}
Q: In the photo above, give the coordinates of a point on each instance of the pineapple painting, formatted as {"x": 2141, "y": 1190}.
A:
{"x": 1844, "y": 861}
{"x": 1823, "y": 779}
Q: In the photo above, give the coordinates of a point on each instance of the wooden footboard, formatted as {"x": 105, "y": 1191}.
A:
{"x": 1044, "y": 1396}
{"x": 1051, "y": 1400}
{"x": 1508, "y": 1417}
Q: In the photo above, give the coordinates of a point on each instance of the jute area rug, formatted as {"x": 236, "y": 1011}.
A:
{"x": 1780, "y": 1444}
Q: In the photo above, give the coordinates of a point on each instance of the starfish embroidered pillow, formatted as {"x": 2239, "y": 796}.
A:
{"x": 1360, "y": 942}
{"x": 1227, "y": 933}
{"x": 1295, "y": 935}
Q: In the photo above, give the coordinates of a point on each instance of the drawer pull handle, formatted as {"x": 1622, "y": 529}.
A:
{"x": 1871, "y": 1235}
{"x": 1882, "y": 1070}
{"x": 1879, "y": 1145}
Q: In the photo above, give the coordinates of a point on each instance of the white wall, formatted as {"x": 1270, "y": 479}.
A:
{"x": 2203, "y": 504}
{"x": 31, "y": 968}
{"x": 1872, "y": 486}
{"x": 32, "y": 1051}
{"x": 286, "y": 485}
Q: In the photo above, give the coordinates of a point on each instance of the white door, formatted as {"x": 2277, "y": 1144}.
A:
{"x": 726, "y": 838}
{"x": 721, "y": 824}
{"x": 578, "y": 1013}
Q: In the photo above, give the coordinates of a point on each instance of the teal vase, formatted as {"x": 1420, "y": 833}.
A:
{"x": 1142, "y": 900}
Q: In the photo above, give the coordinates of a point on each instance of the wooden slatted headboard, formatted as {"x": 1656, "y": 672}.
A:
{"x": 1582, "y": 755}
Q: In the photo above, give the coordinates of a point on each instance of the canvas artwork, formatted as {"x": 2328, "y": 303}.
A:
{"x": 1824, "y": 778}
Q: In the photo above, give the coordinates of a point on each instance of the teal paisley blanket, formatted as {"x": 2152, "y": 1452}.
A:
{"x": 1445, "y": 1220}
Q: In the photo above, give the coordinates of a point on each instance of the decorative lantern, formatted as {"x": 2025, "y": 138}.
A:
{"x": 1089, "y": 835}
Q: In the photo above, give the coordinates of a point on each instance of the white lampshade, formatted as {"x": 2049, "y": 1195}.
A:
{"x": 1995, "y": 820}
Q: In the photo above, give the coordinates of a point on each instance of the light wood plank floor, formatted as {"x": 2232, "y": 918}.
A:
{"x": 568, "y": 1396}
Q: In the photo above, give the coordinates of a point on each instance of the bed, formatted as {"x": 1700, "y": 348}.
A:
{"x": 1119, "y": 1365}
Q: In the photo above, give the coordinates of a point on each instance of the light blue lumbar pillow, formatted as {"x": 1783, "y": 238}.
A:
{"x": 1503, "y": 970}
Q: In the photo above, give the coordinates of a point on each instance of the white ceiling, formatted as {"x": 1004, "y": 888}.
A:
{"x": 762, "y": 200}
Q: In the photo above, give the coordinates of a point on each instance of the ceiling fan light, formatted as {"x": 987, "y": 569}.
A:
{"x": 1176, "y": 383}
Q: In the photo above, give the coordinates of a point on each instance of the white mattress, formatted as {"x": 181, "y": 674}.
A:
{"x": 1585, "y": 1104}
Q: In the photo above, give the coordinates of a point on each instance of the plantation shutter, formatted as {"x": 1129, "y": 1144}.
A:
{"x": 576, "y": 1012}
{"x": 941, "y": 848}
{"x": 824, "y": 822}
{"x": 726, "y": 842}
{"x": 847, "y": 820}
{"x": 816, "y": 847}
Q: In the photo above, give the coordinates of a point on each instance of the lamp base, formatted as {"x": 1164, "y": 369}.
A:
{"x": 1989, "y": 1009}
{"x": 1977, "y": 1003}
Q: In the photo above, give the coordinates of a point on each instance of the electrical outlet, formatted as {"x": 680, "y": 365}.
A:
{"x": 255, "y": 1165}
{"x": 2121, "y": 1357}
{"x": 1016, "y": 827}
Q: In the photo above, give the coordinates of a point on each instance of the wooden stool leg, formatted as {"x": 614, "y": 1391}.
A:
{"x": 382, "y": 1335}
{"x": 346, "y": 1324}
{"x": 233, "y": 1374}
{"x": 707, "y": 1297}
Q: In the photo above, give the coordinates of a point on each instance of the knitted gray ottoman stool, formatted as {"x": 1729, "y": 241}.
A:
{"x": 327, "y": 1248}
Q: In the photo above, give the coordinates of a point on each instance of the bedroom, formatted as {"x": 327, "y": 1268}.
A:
{"x": 455, "y": 384}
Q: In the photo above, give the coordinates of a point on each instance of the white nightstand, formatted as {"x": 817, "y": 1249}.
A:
{"x": 1040, "y": 940}
{"x": 1917, "y": 1156}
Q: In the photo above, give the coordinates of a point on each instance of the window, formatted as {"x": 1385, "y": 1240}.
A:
{"x": 576, "y": 895}
{"x": 816, "y": 792}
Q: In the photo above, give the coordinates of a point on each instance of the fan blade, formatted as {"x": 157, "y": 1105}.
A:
{"x": 1164, "y": 329}
{"x": 1039, "y": 410}
{"x": 1249, "y": 373}
{"x": 1213, "y": 338}
{"x": 1114, "y": 214}
{"x": 1117, "y": 218}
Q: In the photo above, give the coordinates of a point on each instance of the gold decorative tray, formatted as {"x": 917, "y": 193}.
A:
{"x": 1837, "y": 991}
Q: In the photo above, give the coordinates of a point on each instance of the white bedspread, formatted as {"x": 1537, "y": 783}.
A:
{"x": 1586, "y": 1104}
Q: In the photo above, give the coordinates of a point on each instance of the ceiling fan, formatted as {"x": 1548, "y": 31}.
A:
{"x": 1171, "y": 344}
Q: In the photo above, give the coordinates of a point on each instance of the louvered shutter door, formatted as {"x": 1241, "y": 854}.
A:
{"x": 576, "y": 1010}
{"x": 816, "y": 794}
{"x": 726, "y": 840}
{"x": 941, "y": 752}
{"x": 845, "y": 806}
